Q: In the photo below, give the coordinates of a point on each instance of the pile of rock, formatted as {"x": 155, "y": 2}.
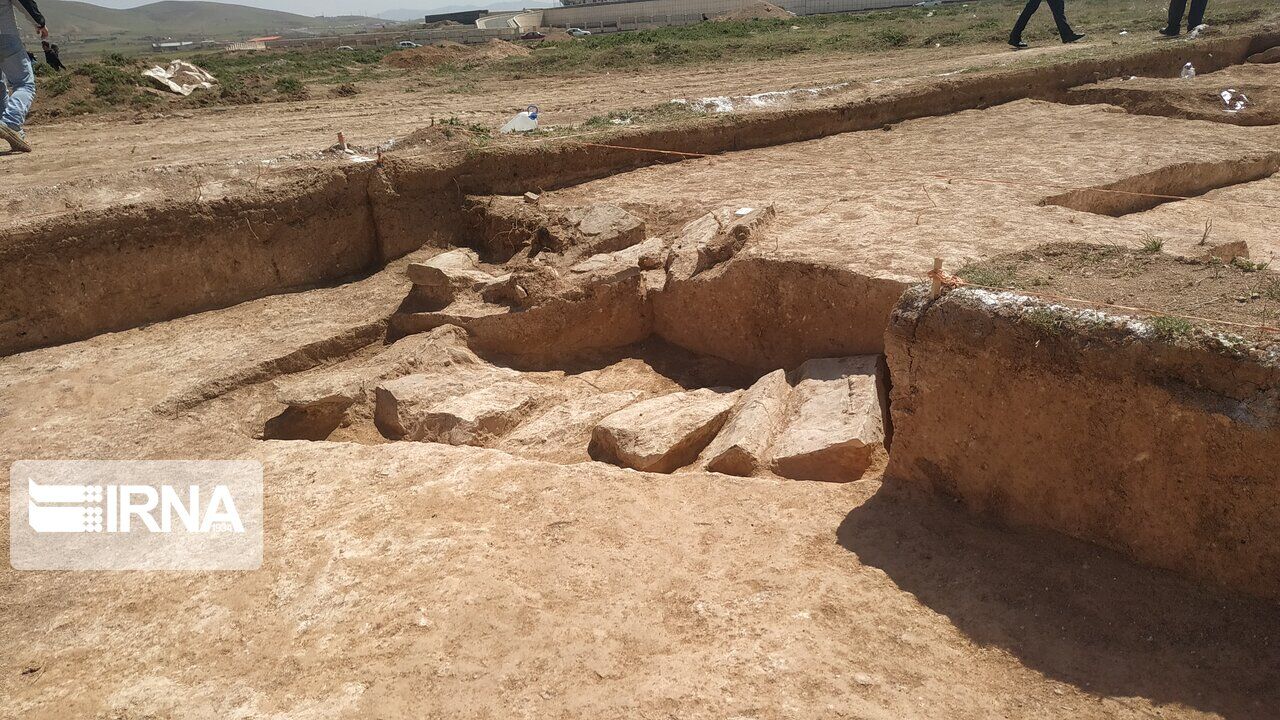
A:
{"x": 569, "y": 281}
{"x": 824, "y": 422}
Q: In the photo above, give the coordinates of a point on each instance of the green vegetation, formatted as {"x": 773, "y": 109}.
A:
{"x": 1152, "y": 245}
{"x": 1247, "y": 265}
{"x": 656, "y": 114}
{"x": 1171, "y": 328}
{"x": 996, "y": 276}
{"x": 1046, "y": 322}
{"x": 249, "y": 77}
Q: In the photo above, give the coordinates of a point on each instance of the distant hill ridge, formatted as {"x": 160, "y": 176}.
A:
{"x": 173, "y": 19}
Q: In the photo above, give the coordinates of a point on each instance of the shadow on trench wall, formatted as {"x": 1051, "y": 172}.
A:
{"x": 1075, "y": 612}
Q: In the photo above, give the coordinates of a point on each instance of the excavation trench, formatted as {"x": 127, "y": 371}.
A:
{"x": 80, "y": 275}
{"x": 653, "y": 354}
{"x": 1174, "y": 183}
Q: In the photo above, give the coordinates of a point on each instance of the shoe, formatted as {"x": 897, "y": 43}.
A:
{"x": 11, "y": 136}
{"x": 1169, "y": 32}
{"x": 1072, "y": 38}
{"x": 1017, "y": 43}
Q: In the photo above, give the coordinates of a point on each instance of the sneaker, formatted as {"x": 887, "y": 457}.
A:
{"x": 1169, "y": 32}
{"x": 1072, "y": 38}
{"x": 1017, "y": 43}
{"x": 11, "y": 136}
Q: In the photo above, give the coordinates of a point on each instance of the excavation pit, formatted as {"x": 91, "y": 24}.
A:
{"x": 601, "y": 463}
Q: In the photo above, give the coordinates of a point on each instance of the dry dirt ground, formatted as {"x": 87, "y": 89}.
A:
{"x": 415, "y": 579}
{"x": 884, "y": 203}
{"x": 95, "y": 163}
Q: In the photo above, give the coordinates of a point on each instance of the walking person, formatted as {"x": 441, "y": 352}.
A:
{"x": 51, "y": 56}
{"x": 1059, "y": 10}
{"x": 16, "y": 72}
{"x": 1194, "y": 20}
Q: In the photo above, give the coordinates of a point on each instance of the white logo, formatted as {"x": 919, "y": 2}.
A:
{"x": 79, "y": 508}
{"x": 100, "y": 515}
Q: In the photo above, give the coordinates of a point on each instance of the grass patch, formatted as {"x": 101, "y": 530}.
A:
{"x": 1270, "y": 289}
{"x": 1171, "y": 328}
{"x": 291, "y": 87}
{"x": 1247, "y": 265}
{"x": 997, "y": 276}
{"x": 56, "y": 85}
{"x": 1152, "y": 245}
{"x": 1046, "y": 322}
{"x": 111, "y": 84}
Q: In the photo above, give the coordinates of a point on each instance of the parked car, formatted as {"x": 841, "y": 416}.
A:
{"x": 579, "y": 32}
{"x": 408, "y": 44}
{"x": 532, "y": 35}
{"x": 347, "y": 48}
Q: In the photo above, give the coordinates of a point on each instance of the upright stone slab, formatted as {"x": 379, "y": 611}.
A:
{"x": 741, "y": 447}
{"x": 835, "y": 422}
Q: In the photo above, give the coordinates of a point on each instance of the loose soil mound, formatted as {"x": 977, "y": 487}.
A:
{"x": 436, "y": 137}
{"x": 1239, "y": 292}
{"x": 451, "y": 52}
{"x": 755, "y": 11}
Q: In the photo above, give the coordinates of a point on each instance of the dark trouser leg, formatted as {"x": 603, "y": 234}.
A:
{"x": 1059, "y": 8}
{"x": 1023, "y": 19}
{"x": 1176, "y": 8}
{"x": 1196, "y": 16}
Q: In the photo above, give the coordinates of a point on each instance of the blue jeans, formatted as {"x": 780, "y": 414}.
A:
{"x": 15, "y": 70}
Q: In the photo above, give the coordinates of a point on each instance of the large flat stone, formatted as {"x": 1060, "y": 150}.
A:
{"x": 741, "y": 447}
{"x": 835, "y": 423}
{"x": 317, "y": 401}
{"x": 714, "y": 238}
{"x": 563, "y": 432}
{"x": 606, "y": 228}
{"x": 662, "y": 434}
{"x": 467, "y": 410}
{"x": 441, "y": 278}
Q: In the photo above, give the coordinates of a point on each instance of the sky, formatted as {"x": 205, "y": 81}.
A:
{"x": 340, "y": 7}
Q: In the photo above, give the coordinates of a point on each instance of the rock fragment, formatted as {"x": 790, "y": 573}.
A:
{"x": 664, "y": 433}
{"x": 742, "y": 446}
{"x": 453, "y": 410}
{"x": 606, "y": 228}
{"x": 835, "y": 422}
{"x": 441, "y": 278}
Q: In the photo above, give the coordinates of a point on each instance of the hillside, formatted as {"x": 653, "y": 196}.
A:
{"x": 179, "y": 19}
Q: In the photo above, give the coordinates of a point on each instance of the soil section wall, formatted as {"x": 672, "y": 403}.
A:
{"x": 1168, "y": 452}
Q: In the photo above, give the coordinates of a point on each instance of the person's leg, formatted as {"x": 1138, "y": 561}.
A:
{"x": 1176, "y": 8}
{"x": 16, "y": 69}
{"x": 4, "y": 92}
{"x": 1059, "y": 9}
{"x": 1196, "y": 17}
{"x": 1023, "y": 19}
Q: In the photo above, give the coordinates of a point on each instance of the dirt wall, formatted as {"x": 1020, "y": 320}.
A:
{"x": 1169, "y": 453}
{"x": 66, "y": 280}
{"x": 768, "y": 314}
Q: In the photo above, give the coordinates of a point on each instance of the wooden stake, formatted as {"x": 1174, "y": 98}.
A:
{"x": 936, "y": 291}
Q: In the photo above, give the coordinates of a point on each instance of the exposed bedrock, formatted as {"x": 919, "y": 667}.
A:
{"x": 316, "y": 404}
{"x": 1169, "y": 453}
